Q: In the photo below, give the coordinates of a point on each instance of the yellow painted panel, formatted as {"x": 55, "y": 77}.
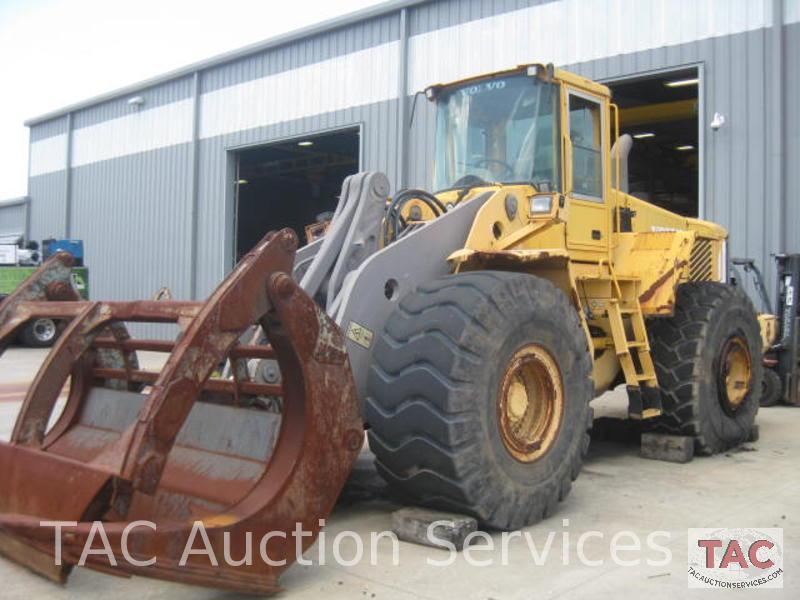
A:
{"x": 588, "y": 224}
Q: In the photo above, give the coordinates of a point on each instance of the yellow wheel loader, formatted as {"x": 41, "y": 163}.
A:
{"x": 467, "y": 330}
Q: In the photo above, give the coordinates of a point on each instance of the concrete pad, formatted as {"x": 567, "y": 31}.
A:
{"x": 617, "y": 494}
{"x": 20, "y": 365}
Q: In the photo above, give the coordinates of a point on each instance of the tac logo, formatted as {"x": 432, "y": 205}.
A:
{"x": 735, "y": 558}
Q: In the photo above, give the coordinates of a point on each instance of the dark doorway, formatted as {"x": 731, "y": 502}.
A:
{"x": 661, "y": 113}
{"x": 291, "y": 184}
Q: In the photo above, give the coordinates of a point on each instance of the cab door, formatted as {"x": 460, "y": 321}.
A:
{"x": 586, "y": 145}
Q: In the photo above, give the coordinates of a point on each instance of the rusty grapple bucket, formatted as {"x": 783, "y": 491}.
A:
{"x": 181, "y": 446}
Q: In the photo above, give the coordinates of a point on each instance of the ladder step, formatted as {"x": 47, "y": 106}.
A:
{"x": 633, "y": 346}
{"x": 645, "y": 378}
{"x": 602, "y": 343}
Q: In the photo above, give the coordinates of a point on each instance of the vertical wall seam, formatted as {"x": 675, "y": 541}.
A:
{"x": 702, "y": 140}
{"x": 28, "y": 190}
{"x": 194, "y": 194}
{"x": 28, "y": 178}
{"x": 768, "y": 218}
{"x": 68, "y": 181}
{"x": 402, "y": 104}
{"x": 779, "y": 120}
{"x": 27, "y": 227}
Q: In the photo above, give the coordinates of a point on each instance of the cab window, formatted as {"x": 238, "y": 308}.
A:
{"x": 585, "y": 133}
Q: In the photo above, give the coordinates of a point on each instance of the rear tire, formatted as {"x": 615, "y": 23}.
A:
{"x": 714, "y": 325}
{"x": 40, "y": 333}
{"x": 440, "y": 433}
{"x": 772, "y": 389}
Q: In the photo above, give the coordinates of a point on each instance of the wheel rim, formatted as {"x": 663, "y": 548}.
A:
{"x": 531, "y": 403}
{"x": 44, "y": 330}
{"x": 735, "y": 373}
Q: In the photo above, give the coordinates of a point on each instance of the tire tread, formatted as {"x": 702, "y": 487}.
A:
{"x": 421, "y": 408}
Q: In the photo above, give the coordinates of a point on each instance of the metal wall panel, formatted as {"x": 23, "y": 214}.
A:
{"x": 166, "y": 93}
{"x": 47, "y": 155}
{"x": 13, "y": 217}
{"x": 596, "y": 30}
{"x": 48, "y": 129}
{"x": 133, "y": 215}
{"x": 360, "y": 36}
{"x": 351, "y": 66}
{"x": 142, "y": 131}
{"x": 791, "y": 11}
{"x": 357, "y": 79}
{"x": 446, "y": 13}
{"x": 791, "y": 159}
{"x": 48, "y": 205}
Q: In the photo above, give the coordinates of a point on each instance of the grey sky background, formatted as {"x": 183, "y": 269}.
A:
{"x": 56, "y": 52}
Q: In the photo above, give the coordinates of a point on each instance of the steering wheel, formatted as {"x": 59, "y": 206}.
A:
{"x": 469, "y": 181}
{"x": 509, "y": 170}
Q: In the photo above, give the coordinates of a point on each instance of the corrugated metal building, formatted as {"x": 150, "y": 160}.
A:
{"x": 145, "y": 174}
{"x": 14, "y": 219}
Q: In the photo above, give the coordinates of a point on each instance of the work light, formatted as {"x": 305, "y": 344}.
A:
{"x": 541, "y": 204}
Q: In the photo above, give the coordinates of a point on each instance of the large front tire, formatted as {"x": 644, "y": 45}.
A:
{"x": 478, "y": 397}
{"x": 708, "y": 362}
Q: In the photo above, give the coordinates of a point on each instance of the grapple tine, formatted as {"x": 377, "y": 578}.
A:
{"x": 51, "y": 281}
{"x": 179, "y": 452}
{"x": 49, "y": 381}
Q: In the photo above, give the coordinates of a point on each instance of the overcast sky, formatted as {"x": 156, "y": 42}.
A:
{"x": 56, "y": 52}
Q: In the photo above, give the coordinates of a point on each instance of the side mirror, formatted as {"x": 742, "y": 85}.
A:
{"x": 414, "y": 107}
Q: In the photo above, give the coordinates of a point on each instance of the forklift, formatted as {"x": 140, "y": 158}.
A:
{"x": 781, "y": 384}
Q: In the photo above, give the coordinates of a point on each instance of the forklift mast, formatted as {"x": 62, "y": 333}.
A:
{"x": 787, "y": 313}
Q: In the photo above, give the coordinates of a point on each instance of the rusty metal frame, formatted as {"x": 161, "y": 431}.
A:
{"x": 321, "y": 431}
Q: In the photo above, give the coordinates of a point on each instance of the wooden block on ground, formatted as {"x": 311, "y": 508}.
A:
{"x": 670, "y": 448}
{"x": 414, "y": 525}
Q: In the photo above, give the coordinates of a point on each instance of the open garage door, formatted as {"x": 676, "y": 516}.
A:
{"x": 292, "y": 183}
{"x": 661, "y": 113}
